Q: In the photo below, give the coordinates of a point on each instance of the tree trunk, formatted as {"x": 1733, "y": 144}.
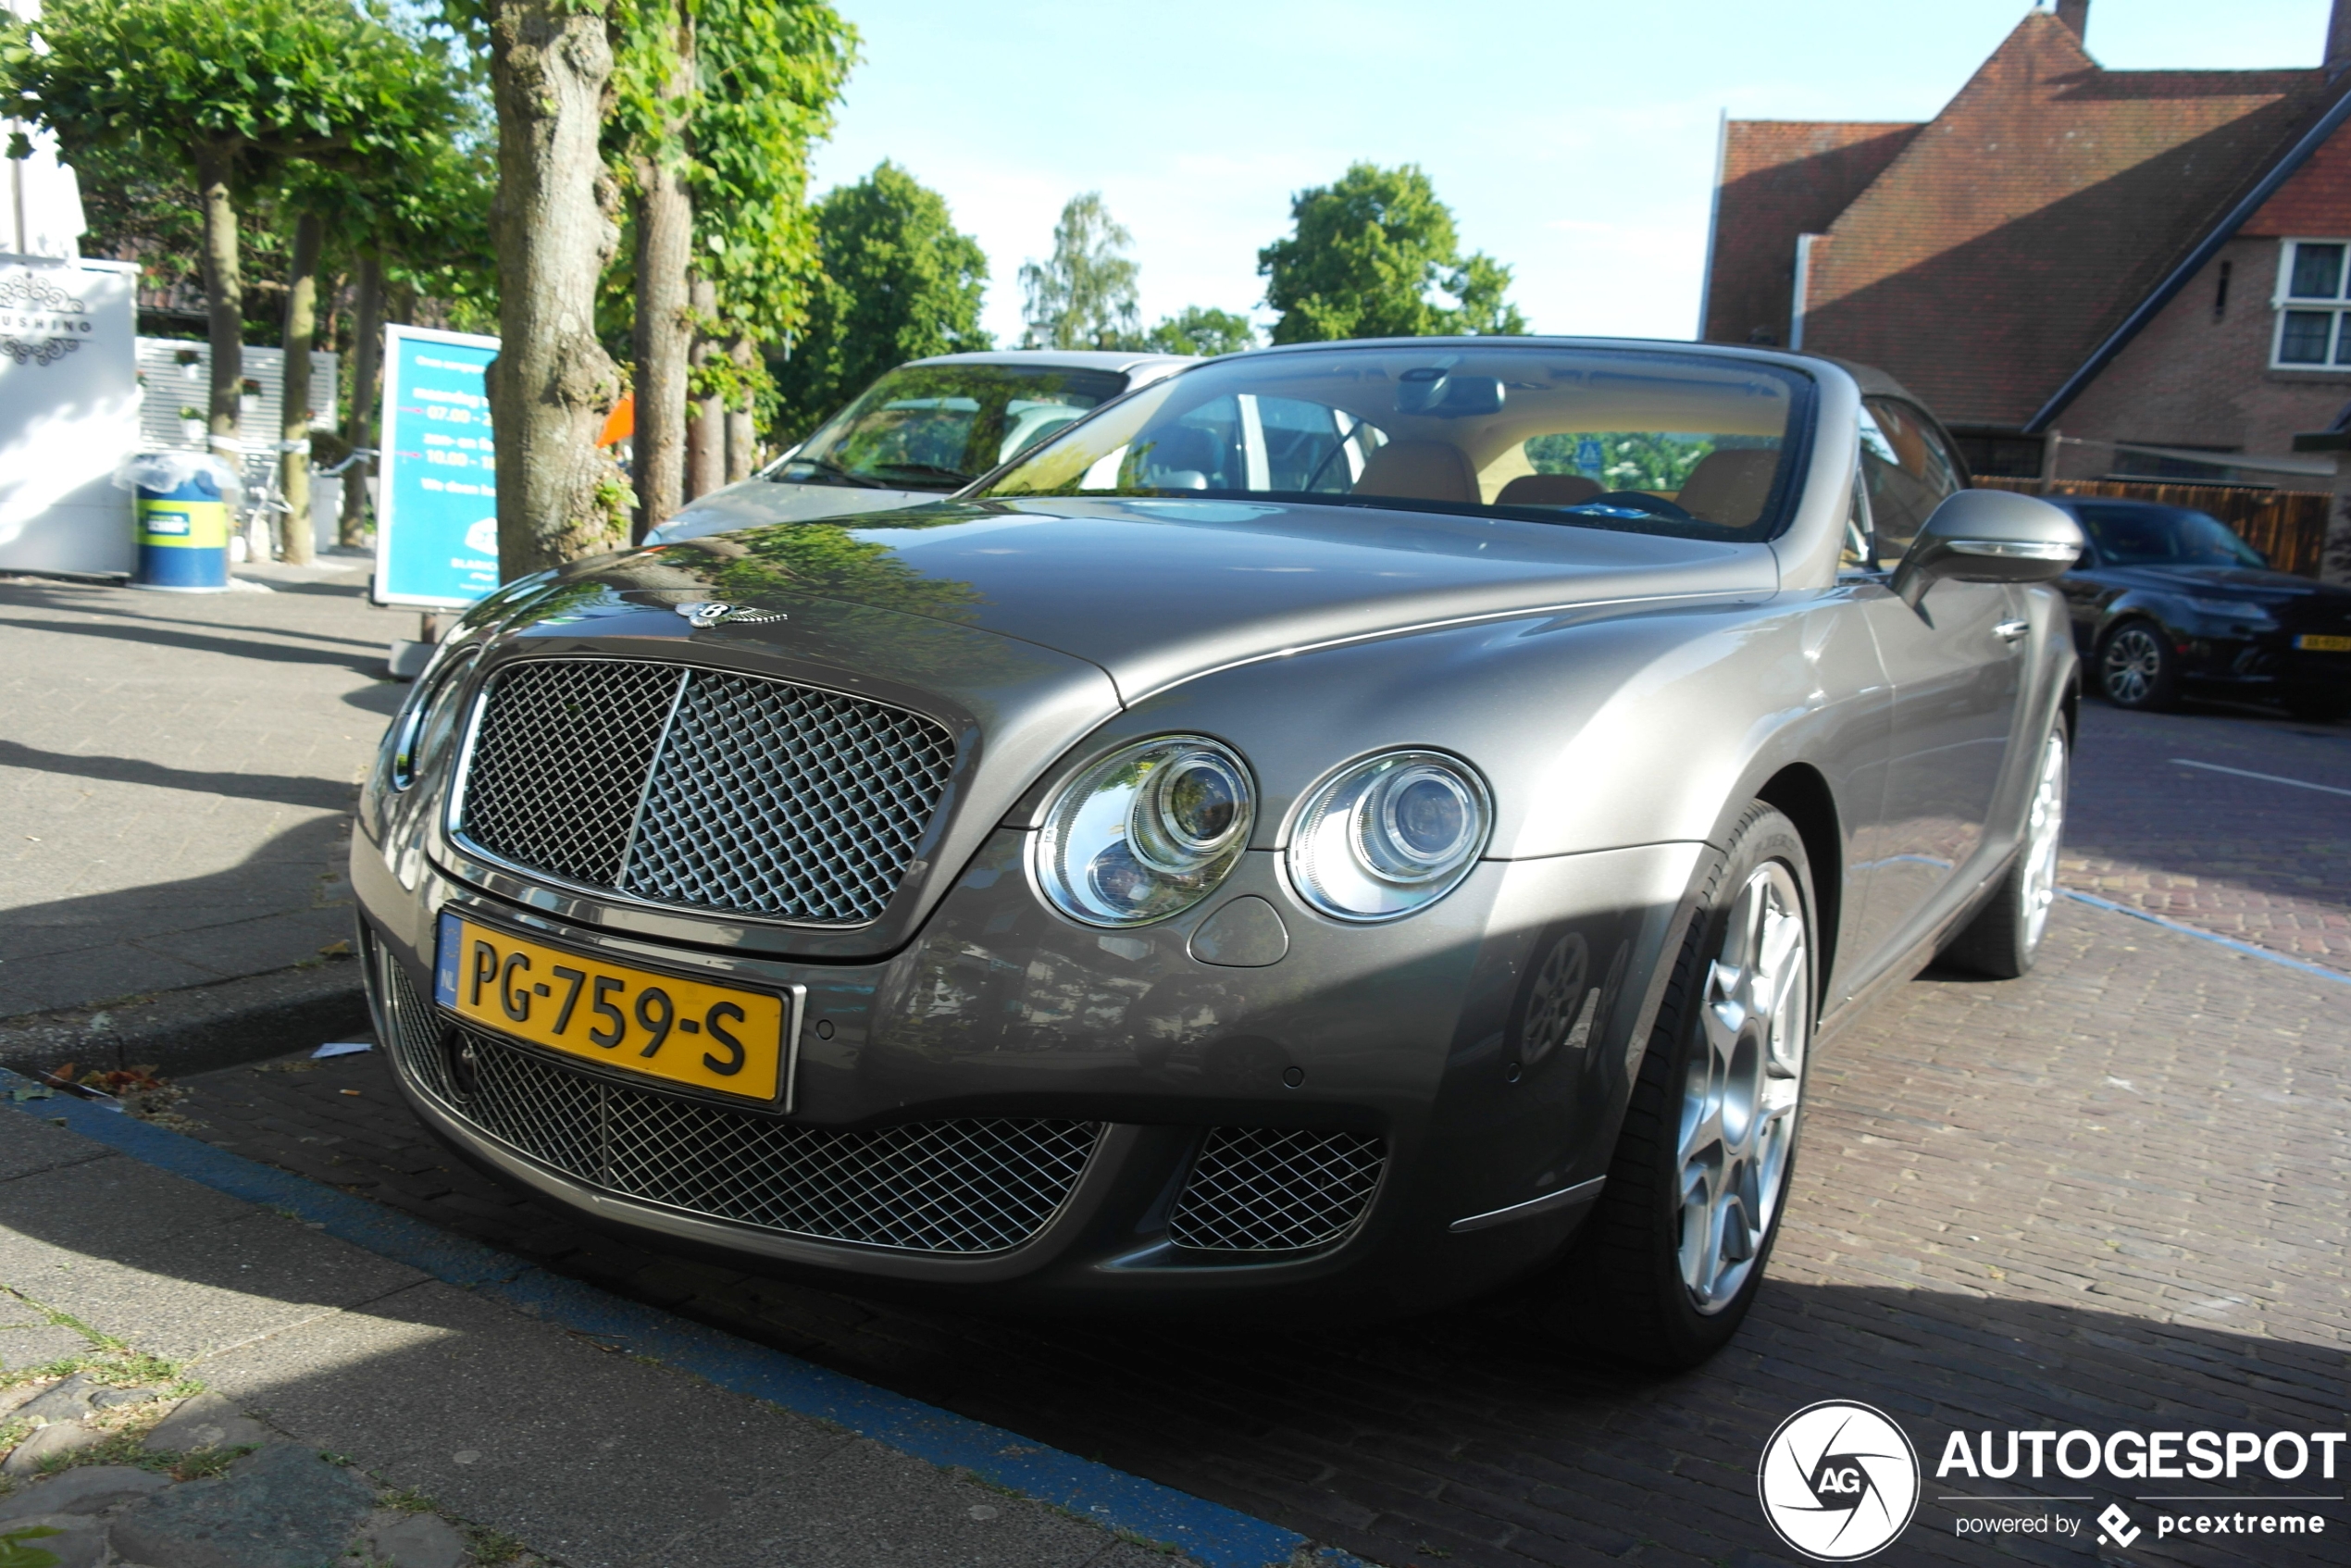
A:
{"x": 294, "y": 410}
{"x": 224, "y": 287}
{"x": 742, "y": 437}
{"x": 551, "y": 385}
{"x": 367, "y": 390}
{"x": 706, "y": 423}
{"x": 661, "y": 332}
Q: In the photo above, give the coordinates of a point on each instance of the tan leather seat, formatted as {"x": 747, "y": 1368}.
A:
{"x": 1729, "y": 487}
{"x": 1548, "y": 490}
{"x": 1419, "y": 470}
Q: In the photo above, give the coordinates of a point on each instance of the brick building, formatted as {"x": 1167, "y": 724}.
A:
{"x": 2157, "y": 263}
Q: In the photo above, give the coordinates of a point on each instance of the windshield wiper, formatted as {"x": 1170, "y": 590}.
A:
{"x": 927, "y": 470}
{"x": 836, "y": 470}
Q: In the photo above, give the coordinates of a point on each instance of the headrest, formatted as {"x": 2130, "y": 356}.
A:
{"x": 1419, "y": 470}
{"x": 1548, "y": 490}
{"x": 1729, "y": 487}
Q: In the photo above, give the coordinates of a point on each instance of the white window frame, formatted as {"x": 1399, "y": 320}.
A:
{"x": 2281, "y": 301}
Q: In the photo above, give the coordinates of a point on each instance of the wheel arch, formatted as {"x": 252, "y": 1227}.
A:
{"x": 1798, "y": 792}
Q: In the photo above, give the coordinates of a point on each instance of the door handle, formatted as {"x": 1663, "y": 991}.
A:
{"x": 2012, "y": 631}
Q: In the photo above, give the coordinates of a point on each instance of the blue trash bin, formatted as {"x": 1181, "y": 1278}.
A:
{"x": 184, "y": 525}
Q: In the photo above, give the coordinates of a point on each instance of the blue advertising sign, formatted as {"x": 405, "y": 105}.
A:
{"x": 437, "y": 475}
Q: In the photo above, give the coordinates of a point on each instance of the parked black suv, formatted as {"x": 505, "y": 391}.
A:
{"x": 2168, "y": 601}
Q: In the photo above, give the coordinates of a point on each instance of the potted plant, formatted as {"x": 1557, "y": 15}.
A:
{"x": 192, "y": 424}
{"x": 191, "y": 364}
{"x": 248, "y": 398}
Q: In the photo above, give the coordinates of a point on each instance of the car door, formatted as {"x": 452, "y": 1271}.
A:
{"x": 1954, "y": 661}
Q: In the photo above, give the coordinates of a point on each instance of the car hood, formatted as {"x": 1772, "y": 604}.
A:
{"x": 2252, "y": 584}
{"x": 753, "y": 502}
{"x": 1155, "y": 590}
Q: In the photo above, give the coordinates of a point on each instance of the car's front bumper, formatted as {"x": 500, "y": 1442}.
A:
{"x": 1477, "y": 1055}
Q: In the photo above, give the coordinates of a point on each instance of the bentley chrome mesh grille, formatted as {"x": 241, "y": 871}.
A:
{"x": 415, "y": 1032}
{"x": 692, "y": 787}
{"x": 1261, "y": 1189}
{"x": 963, "y": 1187}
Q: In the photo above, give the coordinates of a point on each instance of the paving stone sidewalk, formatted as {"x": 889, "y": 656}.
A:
{"x": 352, "y": 1403}
{"x": 2107, "y": 1195}
{"x": 2252, "y": 859}
{"x": 177, "y": 774}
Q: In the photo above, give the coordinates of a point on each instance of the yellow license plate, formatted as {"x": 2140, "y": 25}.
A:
{"x": 2317, "y": 644}
{"x": 690, "y": 1032}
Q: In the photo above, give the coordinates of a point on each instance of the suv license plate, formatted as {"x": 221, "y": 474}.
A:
{"x": 690, "y": 1032}
{"x": 2313, "y": 642}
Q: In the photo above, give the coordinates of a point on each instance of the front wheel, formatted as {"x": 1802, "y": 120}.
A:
{"x": 1674, "y": 1253}
{"x": 2138, "y": 670}
{"x": 2005, "y": 937}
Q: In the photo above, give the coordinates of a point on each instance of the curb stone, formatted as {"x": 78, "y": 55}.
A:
{"x": 198, "y": 1028}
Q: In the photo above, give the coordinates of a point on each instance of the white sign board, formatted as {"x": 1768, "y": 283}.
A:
{"x": 436, "y": 479}
{"x": 69, "y": 413}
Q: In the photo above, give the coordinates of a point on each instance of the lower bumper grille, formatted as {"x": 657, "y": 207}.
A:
{"x": 956, "y": 1187}
{"x": 1258, "y": 1189}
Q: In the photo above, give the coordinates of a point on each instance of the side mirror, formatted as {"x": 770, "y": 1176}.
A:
{"x": 1988, "y": 535}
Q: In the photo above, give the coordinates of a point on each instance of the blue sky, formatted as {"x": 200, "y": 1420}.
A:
{"x": 1574, "y": 141}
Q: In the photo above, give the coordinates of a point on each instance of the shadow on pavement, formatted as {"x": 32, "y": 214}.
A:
{"x": 1471, "y": 1436}
{"x": 275, "y": 908}
{"x": 278, "y": 788}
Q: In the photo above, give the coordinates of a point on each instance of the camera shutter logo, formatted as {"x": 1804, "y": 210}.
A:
{"x": 1839, "y": 1481}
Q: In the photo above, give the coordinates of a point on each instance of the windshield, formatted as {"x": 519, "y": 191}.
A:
{"x": 1652, "y": 442}
{"x": 939, "y": 426}
{"x": 2164, "y": 536}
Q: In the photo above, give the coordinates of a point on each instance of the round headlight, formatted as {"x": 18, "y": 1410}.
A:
{"x": 423, "y": 725}
{"x": 1147, "y": 832}
{"x": 1390, "y": 835}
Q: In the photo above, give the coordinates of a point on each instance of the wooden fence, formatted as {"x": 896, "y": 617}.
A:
{"x": 2289, "y": 527}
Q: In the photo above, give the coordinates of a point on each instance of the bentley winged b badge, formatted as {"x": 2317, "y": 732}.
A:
{"x": 715, "y": 612}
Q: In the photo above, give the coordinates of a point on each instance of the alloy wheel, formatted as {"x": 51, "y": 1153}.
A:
{"x": 2043, "y": 828}
{"x": 1740, "y": 1095}
{"x": 2133, "y": 664}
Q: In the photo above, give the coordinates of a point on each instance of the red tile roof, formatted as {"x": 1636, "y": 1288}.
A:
{"x": 1781, "y": 177}
{"x": 2015, "y": 232}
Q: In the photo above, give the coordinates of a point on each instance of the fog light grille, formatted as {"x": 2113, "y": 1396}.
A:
{"x": 1258, "y": 1189}
{"x": 961, "y": 1187}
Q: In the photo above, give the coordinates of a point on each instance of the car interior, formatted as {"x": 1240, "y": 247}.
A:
{"x": 1649, "y": 442}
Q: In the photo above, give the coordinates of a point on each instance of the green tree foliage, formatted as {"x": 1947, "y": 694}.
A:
{"x": 897, "y": 283}
{"x": 1083, "y": 296}
{"x": 770, "y": 72}
{"x": 229, "y": 93}
{"x": 1365, "y": 256}
{"x": 1198, "y": 329}
{"x": 721, "y": 101}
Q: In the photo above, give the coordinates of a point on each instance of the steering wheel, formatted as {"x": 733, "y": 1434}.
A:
{"x": 1638, "y": 500}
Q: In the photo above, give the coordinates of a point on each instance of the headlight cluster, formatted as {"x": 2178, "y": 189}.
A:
{"x": 1154, "y": 828}
{"x": 1388, "y": 835}
{"x": 2249, "y": 610}
{"x": 1147, "y": 832}
{"x": 426, "y": 717}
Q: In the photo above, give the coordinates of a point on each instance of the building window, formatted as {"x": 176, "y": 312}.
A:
{"x": 2314, "y": 298}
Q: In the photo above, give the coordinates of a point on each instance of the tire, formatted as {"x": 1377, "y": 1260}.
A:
{"x": 2137, "y": 668}
{"x": 1651, "y": 1278}
{"x": 2005, "y": 937}
{"x": 2316, "y": 705}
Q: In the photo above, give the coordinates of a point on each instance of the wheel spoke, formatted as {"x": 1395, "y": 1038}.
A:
{"x": 1741, "y": 1088}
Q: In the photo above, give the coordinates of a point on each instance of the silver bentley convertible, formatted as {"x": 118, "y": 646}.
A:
{"x": 1333, "y": 830}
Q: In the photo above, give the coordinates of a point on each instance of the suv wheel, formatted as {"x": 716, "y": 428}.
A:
{"x": 2137, "y": 667}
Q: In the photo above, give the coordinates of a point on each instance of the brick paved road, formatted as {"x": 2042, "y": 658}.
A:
{"x": 2108, "y": 1195}
{"x": 176, "y": 779}
{"x": 2254, "y": 860}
